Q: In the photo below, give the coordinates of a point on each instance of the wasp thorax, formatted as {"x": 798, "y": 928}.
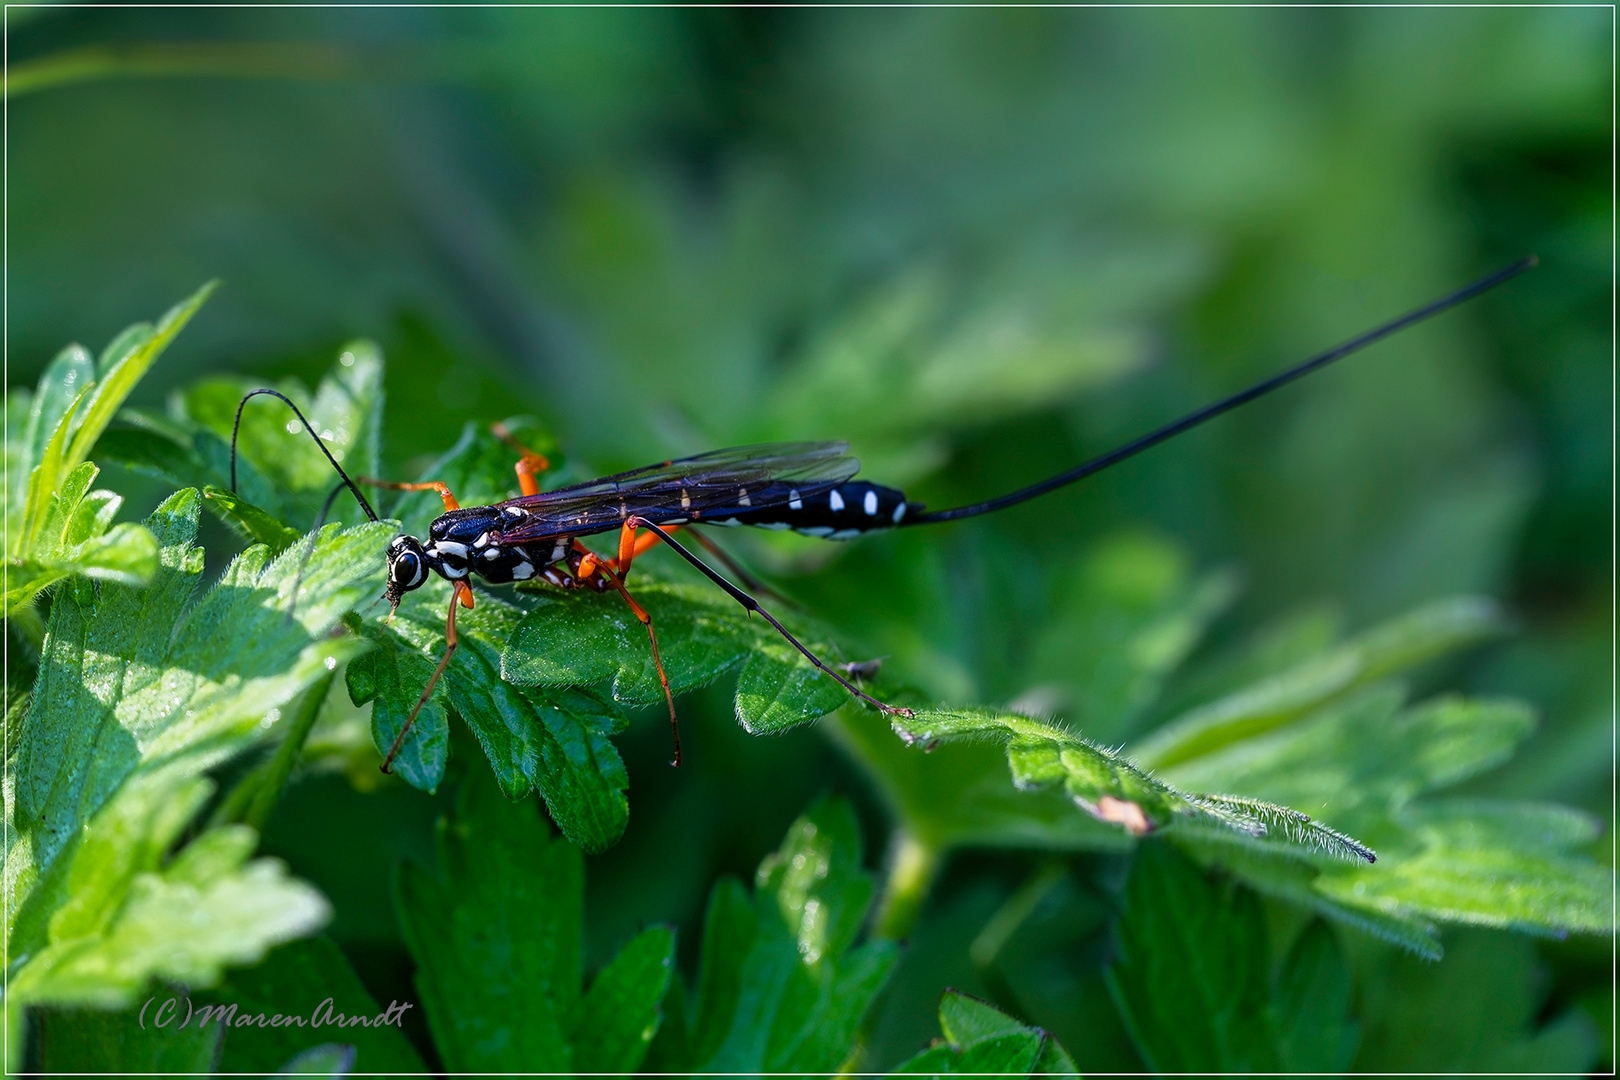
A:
{"x": 407, "y": 567}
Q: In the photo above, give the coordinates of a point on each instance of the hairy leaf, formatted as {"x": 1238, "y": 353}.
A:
{"x": 496, "y": 934}
{"x": 140, "y": 691}
{"x": 1364, "y": 762}
{"x": 1112, "y": 789}
{"x": 557, "y": 743}
{"x": 78, "y": 537}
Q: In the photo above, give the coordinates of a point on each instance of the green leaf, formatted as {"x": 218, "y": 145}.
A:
{"x": 312, "y": 981}
{"x": 1436, "y": 630}
{"x": 81, "y": 424}
{"x": 119, "y": 371}
{"x": 122, "y": 1043}
{"x": 981, "y": 1039}
{"x": 250, "y": 522}
{"x": 1193, "y": 978}
{"x": 139, "y": 692}
{"x": 1480, "y": 1010}
{"x": 1489, "y": 864}
{"x": 1112, "y": 789}
{"x": 1363, "y": 762}
{"x": 78, "y": 538}
{"x": 556, "y": 742}
{"x": 579, "y": 637}
{"x": 496, "y": 935}
{"x": 1012, "y": 1054}
{"x": 33, "y": 420}
{"x": 781, "y": 987}
{"x": 620, "y": 1014}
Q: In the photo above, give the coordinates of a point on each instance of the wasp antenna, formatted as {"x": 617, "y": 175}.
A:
{"x": 1242, "y": 397}
{"x": 237, "y": 427}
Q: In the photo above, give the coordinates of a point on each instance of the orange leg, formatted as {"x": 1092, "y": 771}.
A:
{"x": 528, "y": 466}
{"x": 630, "y": 546}
{"x": 600, "y": 567}
{"x": 426, "y": 485}
{"x": 464, "y": 594}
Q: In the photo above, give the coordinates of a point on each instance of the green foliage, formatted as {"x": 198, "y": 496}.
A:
{"x": 556, "y": 744}
{"x": 1396, "y": 646}
{"x": 173, "y": 1031}
{"x": 1195, "y": 985}
{"x": 1485, "y": 1007}
{"x": 56, "y": 526}
{"x": 781, "y": 984}
{"x": 140, "y": 692}
{"x": 118, "y": 1043}
{"x": 496, "y": 934}
{"x": 311, "y": 979}
{"x": 279, "y": 468}
{"x": 981, "y": 1039}
{"x": 981, "y": 244}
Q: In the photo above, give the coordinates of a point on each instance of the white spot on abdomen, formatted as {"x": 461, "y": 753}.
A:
{"x": 899, "y": 512}
{"x": 835, "y": 500}
{"x": 794, "y": 502}
{"x": 869, "y": 504}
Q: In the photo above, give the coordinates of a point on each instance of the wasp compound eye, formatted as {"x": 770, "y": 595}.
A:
{"x": 407, "y": 566}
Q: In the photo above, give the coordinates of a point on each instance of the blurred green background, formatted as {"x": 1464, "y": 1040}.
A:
{"x": 981, "y": 245}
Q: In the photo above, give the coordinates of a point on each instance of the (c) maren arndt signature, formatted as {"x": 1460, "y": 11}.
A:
{"x": 323, "y": 1015}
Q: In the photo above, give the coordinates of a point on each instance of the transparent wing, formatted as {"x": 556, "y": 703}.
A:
{"x": 742, "y": 476}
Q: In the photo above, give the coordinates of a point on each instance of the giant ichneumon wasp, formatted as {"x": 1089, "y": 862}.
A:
{"x": 807, "y": 487}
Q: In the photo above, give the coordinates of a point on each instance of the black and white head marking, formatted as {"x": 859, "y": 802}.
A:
{"x": 407, "y": 568}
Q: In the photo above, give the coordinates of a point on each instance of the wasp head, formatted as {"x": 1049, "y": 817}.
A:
{"x": 407, "y": 569}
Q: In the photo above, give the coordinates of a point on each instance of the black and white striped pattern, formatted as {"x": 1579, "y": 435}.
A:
{"x": 841, "y": 512}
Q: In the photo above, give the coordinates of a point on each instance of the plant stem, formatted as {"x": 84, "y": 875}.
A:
{"x": 912, "y": 865}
